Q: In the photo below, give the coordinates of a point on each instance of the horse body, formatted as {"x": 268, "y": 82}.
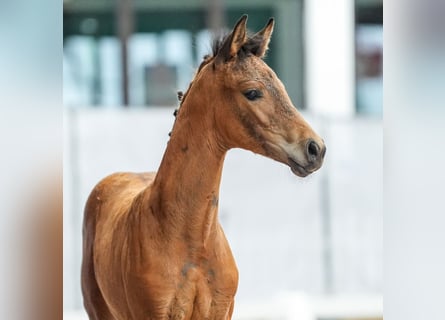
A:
{"x": 153, "y": 246}
{"x": 159, "y": 251}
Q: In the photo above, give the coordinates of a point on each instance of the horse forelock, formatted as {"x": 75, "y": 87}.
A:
{"x": 250, "y": 46}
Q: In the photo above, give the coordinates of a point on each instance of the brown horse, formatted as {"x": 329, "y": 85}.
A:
{"x": 153, "y": 247}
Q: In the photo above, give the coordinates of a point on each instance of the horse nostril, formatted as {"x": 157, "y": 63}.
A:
{"x": 313, "y": 150}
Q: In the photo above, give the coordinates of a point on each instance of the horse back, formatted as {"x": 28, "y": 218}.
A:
{"x": 112, "y": 197}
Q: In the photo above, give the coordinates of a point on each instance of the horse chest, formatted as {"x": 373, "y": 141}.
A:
{"x": 192, "y": 290}
{"x": 204, "y": 291}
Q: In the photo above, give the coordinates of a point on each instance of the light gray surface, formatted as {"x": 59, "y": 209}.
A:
{"x": 273, "y": 219}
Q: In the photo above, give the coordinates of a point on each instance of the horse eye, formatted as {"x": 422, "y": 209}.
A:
{"x": 252, "y": 94}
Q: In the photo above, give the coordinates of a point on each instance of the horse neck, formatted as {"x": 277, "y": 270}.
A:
{"x": 184, "y": 195}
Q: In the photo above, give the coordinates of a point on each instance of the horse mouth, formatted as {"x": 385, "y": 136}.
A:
{"x": 297, "y": 169}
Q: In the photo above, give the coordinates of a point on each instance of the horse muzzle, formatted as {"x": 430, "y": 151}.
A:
{"x": 314, "y": 155}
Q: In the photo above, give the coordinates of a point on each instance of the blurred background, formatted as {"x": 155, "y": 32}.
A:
{"x": 305, "y": 248}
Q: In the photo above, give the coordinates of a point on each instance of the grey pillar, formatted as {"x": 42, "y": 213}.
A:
{"x": 125, "y": 22}
{"x": 289, "y": 38}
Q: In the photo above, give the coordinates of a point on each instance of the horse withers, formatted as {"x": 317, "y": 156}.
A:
{"x": 153, "y": 247}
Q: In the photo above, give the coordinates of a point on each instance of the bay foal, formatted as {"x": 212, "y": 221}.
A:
{"x": 153, "y": 247}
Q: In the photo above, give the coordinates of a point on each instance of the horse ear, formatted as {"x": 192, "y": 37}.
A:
{"x": 234, "y": 41}
{"x": 260, "y": 41}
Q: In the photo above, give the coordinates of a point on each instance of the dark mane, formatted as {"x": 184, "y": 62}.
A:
{"x": 218, "y": 42}
{"x": 250, "y": 47}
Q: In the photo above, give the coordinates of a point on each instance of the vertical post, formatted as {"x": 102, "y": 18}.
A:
{"x": 326, "y": 236}
{"x": 125, "y": 23}
{"x": 289, "y": 61}
{"x": 97, "y": 84}
{"x": 215, "y": 15}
